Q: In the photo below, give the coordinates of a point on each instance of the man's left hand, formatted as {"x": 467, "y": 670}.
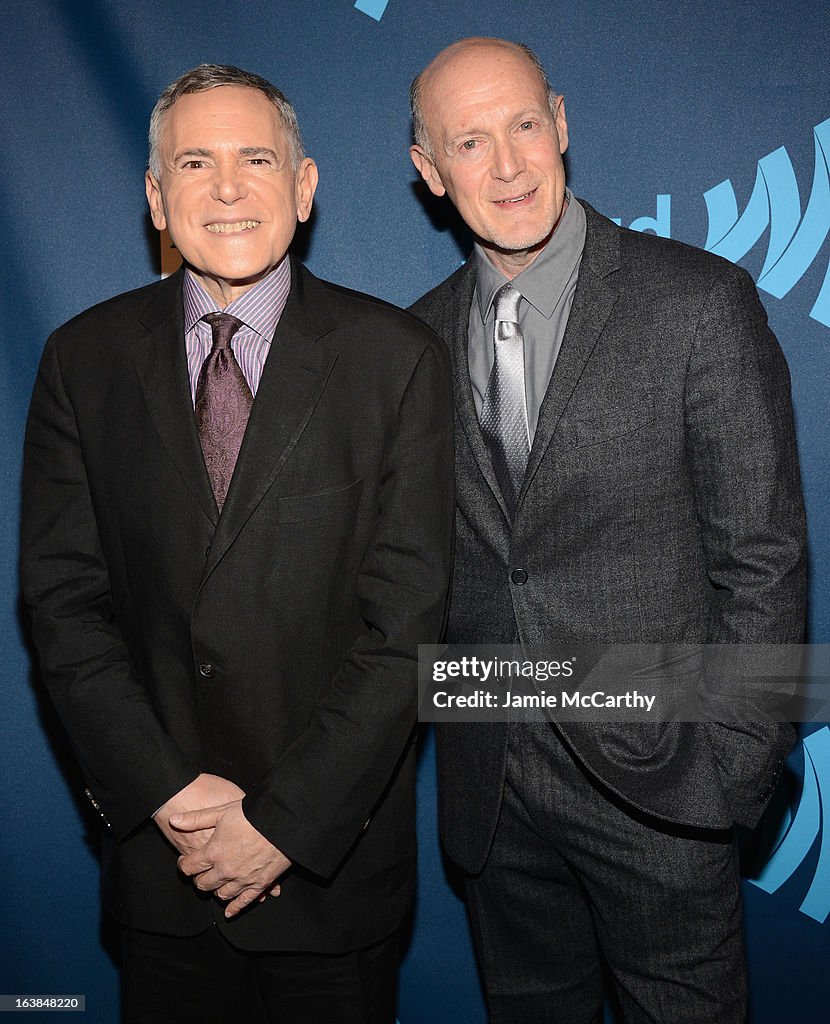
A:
{"x": 238, "y": 863}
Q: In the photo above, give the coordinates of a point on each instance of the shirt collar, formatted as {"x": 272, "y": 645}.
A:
{"x": 260, "y": 308}
{"x": 544, "y": 280}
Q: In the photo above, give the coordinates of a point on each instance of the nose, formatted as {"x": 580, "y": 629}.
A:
{"x": 229, "y": 184}
{"x": 508, "y": 162}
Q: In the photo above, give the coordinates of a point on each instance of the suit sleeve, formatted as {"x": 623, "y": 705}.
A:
{"x": 744, "y": 461}
{"x": 130, "y": 763}
{"x": 315, "y": 801}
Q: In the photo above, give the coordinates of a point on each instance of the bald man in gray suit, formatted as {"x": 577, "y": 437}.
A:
{"x": 651, "y": 495}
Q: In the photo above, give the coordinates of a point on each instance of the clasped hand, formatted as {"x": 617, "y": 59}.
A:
{"x": 237, "y": 862}
{"x": 219, "y": 848}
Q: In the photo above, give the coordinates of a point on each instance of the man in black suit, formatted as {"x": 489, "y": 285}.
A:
{"x": 626, "y": 471}
{"x": 227, "y": 604}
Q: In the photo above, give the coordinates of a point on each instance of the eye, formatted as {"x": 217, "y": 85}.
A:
{"x": 193, "y": 165}
{"x": 260, "y": 161}
{"x": 469, "y": 144}
{"x": 526, "y": 126}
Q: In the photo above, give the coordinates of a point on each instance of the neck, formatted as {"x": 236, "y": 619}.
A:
{"x": 223, "y": 291}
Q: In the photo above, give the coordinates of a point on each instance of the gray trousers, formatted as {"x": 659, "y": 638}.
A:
{"x": 579, "y": 888}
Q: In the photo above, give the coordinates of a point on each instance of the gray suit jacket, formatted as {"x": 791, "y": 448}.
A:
{"x": 662, "y": 503}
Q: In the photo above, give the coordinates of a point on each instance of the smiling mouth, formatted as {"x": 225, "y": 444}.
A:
{"x": 516, "y": 199}
{"x": 232, "y": 229}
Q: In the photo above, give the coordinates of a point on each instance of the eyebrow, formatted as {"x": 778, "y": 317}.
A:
{"x": 191, "y": 152}
{"x": 245, "y": 151}
{"x": 522, "y": 115}
{"x": 258, "y": 151}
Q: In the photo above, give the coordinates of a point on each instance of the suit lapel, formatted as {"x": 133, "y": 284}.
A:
{"x": 457, "y": 332}
{"x": 161, "y": 365}
{"x": 293, "y": 379}
{"x": 594, "y": 299}
{"x": 593, "y": 302}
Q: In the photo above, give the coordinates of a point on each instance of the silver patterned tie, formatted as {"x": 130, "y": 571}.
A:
{"x": 504, "y": 410}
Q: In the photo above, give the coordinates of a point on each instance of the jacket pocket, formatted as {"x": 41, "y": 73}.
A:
{"x": 608, "y": 424}
{"x": 304, "y": 507}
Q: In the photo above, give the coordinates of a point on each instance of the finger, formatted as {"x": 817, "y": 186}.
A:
{"x": 229, "y": 891}
{"x": 193, "y": 821}
{"x": 209, "y": 881}
{"x": 194, "y": 863}
{"x": 275, "y": 890}
{"x": 193, "y": 841}
{"x": 243, "y": 900}
{"x": 190, "y": 843}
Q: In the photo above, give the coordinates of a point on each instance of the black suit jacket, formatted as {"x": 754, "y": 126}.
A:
{"x": 661, "y": 504}
{"x": 274, "y": 645}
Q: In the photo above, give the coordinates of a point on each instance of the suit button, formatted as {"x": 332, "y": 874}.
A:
{"x": 764, "y": 795}
{"x": 207, "y": 551}
{"x": 207, "y": 670}
{"x": 519, "y": 577}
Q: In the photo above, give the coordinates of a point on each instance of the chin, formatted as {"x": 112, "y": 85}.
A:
{"x": 237, "y": 273}
{"x": 521, "y": 242}
{"x": 520, "y": 237}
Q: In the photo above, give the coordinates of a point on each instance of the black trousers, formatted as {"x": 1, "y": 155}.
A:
{"x": 203, "y": 979}
{"x": 576, "y": 886}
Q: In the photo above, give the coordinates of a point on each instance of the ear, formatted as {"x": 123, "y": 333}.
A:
{"x": 561, "y": 124}
{"x": 306, "y": 186}
{"x": 154, "y": 200}
{"x": 428, "y": 171}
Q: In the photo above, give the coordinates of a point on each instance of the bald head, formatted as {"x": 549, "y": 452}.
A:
{"x": 457, "y": 56}
{"x": 490, "y": 134}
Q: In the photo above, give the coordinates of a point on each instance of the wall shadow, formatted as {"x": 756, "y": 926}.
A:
{"x": 50, "y": 724}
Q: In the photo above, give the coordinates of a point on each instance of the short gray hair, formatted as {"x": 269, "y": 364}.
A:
{"x": 209, "y": 76}
{"x": 419, "y": 127}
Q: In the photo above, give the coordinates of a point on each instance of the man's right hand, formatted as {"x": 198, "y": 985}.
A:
{"x": 205, "y": 791}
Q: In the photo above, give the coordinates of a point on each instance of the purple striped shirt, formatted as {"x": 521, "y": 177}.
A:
{"x": 259, "y": 309}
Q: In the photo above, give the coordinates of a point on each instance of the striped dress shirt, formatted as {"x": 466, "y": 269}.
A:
{"x": 259, "y": 309}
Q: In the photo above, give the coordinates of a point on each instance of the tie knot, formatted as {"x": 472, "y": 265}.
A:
{"x": 506, "y": 302}
{"x": 223, "y": 326}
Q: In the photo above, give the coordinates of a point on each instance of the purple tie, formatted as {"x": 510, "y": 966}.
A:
{"x": 223, "y": 404}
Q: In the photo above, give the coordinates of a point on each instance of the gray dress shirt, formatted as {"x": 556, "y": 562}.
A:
{"x": 547, "y": 288}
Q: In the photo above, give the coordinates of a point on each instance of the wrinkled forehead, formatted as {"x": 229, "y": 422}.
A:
{"x": 223, "y": 109}
{"x": 471, "y": 66}
{"x": 474, "y": 81}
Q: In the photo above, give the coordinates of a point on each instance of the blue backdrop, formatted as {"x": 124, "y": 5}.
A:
{"x": 706, "y": 121}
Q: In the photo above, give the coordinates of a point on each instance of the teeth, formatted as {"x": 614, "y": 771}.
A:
{"x": 520, "y": 198}
{"x": 229, "y": 229}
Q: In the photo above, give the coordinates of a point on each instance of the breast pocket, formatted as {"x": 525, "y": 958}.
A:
{"x": 608, "y": 424}
{"x": 304, "y": 508}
